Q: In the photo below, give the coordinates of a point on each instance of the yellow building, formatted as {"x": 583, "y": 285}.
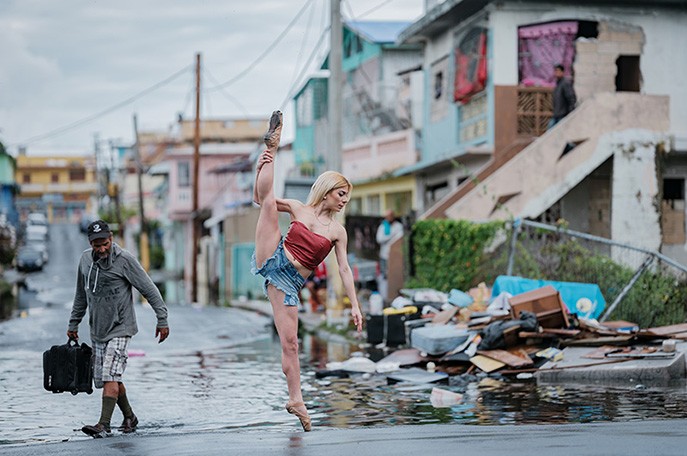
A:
{"x": 63, "y": 187}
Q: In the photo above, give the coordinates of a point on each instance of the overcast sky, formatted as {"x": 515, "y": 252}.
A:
{"x": 63, "y": 61}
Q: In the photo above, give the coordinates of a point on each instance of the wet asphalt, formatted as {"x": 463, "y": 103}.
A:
{"x": 250, "y": 423}
{"x": 666, "y": 438}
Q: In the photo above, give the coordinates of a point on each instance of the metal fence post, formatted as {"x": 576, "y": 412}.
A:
{"x": 516, "y": 226}
{"x": 627, "y": 288}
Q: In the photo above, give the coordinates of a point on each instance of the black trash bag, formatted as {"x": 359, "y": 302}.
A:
{"x": 492, "y": 335}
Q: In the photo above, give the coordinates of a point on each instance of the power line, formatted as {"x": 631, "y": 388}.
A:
{"x": 306, "y": 35}
{"x": 265, "y": 52}
{"x": 229, "y": 97}
{"x": 289, "y": 93}
{"x": 88, "y": 119}
{"x": 373, "y": 9}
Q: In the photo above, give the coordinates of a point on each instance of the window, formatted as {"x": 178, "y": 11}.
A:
{"x": 373, "y": 206}
{"x": 438, "y": 85}
{"x": 26, "y": 178}
{"x": 54, "y": 178}
{"x": 184, "y": 174}
{"x": 77, "y": 175}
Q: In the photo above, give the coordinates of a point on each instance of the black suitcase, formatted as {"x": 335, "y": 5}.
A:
{"x": 68, "y": 367}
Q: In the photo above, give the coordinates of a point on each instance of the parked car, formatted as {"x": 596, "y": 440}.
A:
{"x": 37, "y": 222}
{"x": 36, "y": 232}
{"x": 41, "y": 246}
{"x": 29, "y": 259}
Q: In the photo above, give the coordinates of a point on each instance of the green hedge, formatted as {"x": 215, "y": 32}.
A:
{"x": 456, "y": 254}
{"x": 447, "y": 253}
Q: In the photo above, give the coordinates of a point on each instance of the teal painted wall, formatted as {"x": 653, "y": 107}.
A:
{"x": 244, "y": 283}
{"x": 7, "y": 168}
{"x": 311, "y": 106}
{"x": 441, "y": 139}
{"x": 361, "y": 50}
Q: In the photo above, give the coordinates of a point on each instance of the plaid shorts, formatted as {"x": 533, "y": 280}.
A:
{"x": 110, "y": 360}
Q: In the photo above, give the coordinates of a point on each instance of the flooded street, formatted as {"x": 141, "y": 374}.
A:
{"x": 220, "y": 369}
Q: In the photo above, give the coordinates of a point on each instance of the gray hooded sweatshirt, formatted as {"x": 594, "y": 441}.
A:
{"x": 103, "y": 286}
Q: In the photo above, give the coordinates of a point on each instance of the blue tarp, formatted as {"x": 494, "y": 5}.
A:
{"x": 582, "y": 299}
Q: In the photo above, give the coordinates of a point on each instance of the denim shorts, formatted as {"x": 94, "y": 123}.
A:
{"x": 282, "y": 274}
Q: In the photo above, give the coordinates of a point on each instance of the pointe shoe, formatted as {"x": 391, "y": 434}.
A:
{"x": 303, "y": 417}
{"x": 273, "y": 135}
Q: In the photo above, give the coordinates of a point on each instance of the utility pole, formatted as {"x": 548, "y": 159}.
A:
{"x": 196, "y": 173}
{"x": 335, "y": 286}
{"x": 335, "y": 87}
{"x": 144, "y": 251}
{"x": 98, "y": 177}
{"x": 115, "y": 193}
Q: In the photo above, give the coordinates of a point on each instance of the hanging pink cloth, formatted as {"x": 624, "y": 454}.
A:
{"x": 542, "y": 46}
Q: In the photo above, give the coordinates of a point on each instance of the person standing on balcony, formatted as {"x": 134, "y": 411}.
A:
{"x": 388, "y": 231}
{"x": 564, "y": 98}
{"x": 285, "y": 262}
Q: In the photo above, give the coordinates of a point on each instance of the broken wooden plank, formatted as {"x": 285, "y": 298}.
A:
{"x": 668, "y": 330}
{"x": 596, "y": 341}
{"x": 507, "y": 358}
{"x": 562, "y": 332}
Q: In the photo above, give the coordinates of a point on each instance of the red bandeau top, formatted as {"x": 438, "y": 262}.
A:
{"x": 306, "y": 246}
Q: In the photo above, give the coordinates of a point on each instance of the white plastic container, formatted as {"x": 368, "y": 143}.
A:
{"x": 376, "y": 304}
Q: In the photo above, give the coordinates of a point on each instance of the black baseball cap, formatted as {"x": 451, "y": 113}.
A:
{"x": 98, "y": 230}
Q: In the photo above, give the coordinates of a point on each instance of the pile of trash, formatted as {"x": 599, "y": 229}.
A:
{"x": 516, "y": 328}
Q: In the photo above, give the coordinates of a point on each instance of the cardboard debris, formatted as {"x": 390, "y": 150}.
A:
{"x": 486, "y": 364}
{"x": 405, "y": 357}
{"x": 444, "y": 398}
{"x": 444, "y": 316}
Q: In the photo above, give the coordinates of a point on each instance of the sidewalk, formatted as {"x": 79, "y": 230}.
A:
{"x": 667, "y": 438}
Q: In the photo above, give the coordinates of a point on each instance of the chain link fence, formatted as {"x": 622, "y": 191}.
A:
{"x": 639, "y": 285}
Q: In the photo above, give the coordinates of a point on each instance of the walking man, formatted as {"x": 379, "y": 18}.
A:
{"x": 105, "y": 277}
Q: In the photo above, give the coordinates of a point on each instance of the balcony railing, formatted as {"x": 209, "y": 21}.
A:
{"x": 73, "y": 187}
{"x": 535, "y": 108}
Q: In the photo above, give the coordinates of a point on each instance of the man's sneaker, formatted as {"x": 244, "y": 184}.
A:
{"x": 129, "y": 424}
{"x": 97, "y": 431}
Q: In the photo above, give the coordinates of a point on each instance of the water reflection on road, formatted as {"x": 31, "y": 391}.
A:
{"x": 221, "y": 369}
{"x": 214, "y": 387}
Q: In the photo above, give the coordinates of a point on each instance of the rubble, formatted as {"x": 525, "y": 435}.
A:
{"x": 531, "y": 334}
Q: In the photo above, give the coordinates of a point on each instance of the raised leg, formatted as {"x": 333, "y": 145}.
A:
{"x": 267, "y": 235}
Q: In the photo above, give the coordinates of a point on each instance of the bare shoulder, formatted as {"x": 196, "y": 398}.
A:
{"x": 289, "y": 205}
{"x": 339, "y": 231}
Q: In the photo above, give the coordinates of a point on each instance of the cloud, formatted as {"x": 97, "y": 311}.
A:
{"x": 63, "y": 61}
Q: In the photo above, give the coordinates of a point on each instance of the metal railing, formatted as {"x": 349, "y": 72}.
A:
{"x": 644, "y": 281}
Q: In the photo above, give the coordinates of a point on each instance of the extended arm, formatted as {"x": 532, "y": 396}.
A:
{"x": 347, "y": 280}
{"x": 138, "y": 277}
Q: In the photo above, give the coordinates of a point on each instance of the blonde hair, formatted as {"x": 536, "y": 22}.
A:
{"x": 325, "y": 183}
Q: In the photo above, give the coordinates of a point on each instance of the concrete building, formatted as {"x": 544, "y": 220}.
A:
{"x": 614, "y": 167}
{"x": 8, "y": 187}
{"x": 224, "y": 143}
{"x": 61, "y": 186}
